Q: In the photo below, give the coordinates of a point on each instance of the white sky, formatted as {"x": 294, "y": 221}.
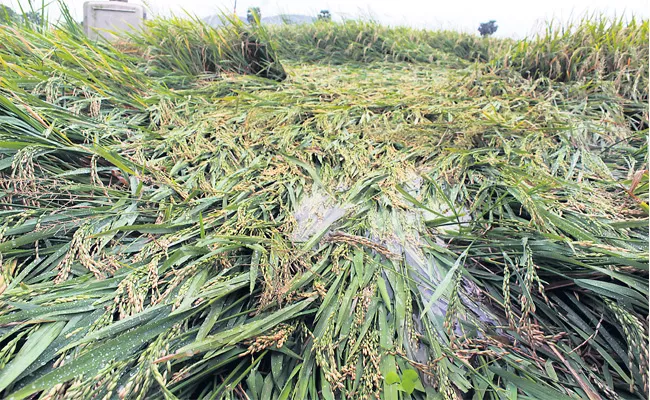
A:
{"x": 514, "y": 18}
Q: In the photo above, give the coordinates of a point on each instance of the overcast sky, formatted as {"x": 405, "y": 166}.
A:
{"x": 515, "y": 18}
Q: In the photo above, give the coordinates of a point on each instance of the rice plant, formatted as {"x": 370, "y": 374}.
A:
{"x": 174, "y": 225}
{"x": 595, "y": 48}
{"x": 194, "y": 48}
{"x": 325, "y": 41}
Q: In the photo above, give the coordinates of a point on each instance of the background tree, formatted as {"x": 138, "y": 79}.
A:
{"x": 324, "y": 15}
{"x": 487, "y": 28}
{"x": 33, "y": 17}
{"x": 7, "y": 14}
{"x": 253, "y": 14}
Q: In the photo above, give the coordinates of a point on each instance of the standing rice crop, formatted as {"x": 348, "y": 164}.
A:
{"x": 595, "y": 48}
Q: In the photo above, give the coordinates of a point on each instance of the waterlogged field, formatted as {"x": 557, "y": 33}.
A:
{"x": 408, "y": 215}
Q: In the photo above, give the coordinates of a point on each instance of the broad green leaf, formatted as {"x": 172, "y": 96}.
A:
{"x": 392, "y": 377}
{"x": 36, "y": 343}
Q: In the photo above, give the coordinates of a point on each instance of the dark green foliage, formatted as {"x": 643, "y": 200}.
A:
{"x": 253, "y": 15}
{"x": 324, "y": 15}
{"x": 488, "y": 28}
{"x": 7, "y": 14}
